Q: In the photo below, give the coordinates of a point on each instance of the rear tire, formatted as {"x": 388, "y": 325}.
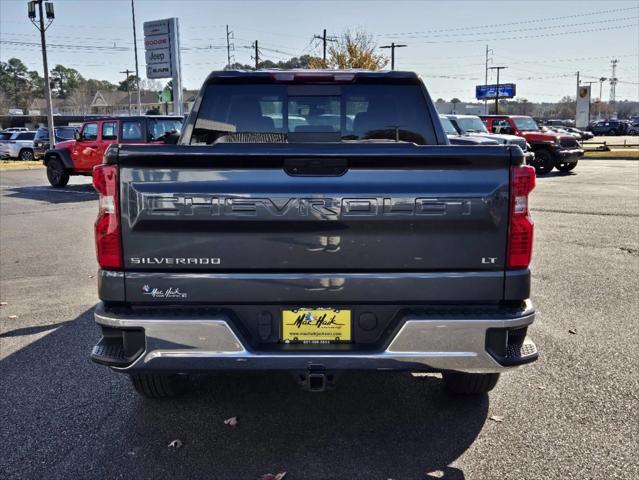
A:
{"x": 544, "y": 162}
{"x": 470, "y": 383}
{"x": 158, "y": 385}
{"x": 566, "y": 167}
{"x": 56, "y": 173}
{"x": 26, "y": 154}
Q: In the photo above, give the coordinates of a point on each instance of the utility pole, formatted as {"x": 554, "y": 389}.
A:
{"x": 601, "y": 80}
{"x": 497, "y": 89}
{"x": 392, "y": 46}
{"x": 613, "y": 85}
{"x": 39, "y": 24}
{"x": 137, "y": 70}
{"x": 229, "y": 36}
{"x": 128, "y": 72}
{"x": 257, "y": 56}
{"x": 324, "y": 39}
{"x": 486, "y": 78}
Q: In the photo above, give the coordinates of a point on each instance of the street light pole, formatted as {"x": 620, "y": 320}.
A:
{"x": 601, "y": 80}
{"x": 497, "y": 89}
{"x": 137, "y": 71}
{"x": 47, "y": 86}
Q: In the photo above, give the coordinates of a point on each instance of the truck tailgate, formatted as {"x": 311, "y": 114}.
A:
{"x": 444, "y": 209}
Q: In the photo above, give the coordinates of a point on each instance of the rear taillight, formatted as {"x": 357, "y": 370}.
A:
{"x": 520, "y": 233}
{"x": 108, "y": 241}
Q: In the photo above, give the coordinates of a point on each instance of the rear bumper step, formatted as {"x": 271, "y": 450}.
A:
{"x": 467, "y": 340}
{"x": 110, "y": 352}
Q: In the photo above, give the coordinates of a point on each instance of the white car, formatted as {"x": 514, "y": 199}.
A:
{"x": 17, "y": 145}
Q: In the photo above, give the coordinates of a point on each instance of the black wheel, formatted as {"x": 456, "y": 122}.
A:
{"x": 56, "y": 173}
{"x": 470, "y": 383}
{"x": 544, "y": 162}
{"x": 26, "y": 154}
{"x": 612, "y": 132}
{"x": 566, "y": 167}
{"x": 158, "y": 385}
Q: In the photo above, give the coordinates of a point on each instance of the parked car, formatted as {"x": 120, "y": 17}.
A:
{"x": 560, "y": 131}
{"x": 17, "y": 145}
{"x": 582, "y": 134}
{"x": 608, "y": 127}
{"x": 559, "y": 123}
{"x": 41, "y": 140}
{"x": 80, "y": 155}
{"x": 456, "y": 138}
{"x": 214, "y": 256}
{"x": 473, "y": 126}
{"x": 552, "y": 150}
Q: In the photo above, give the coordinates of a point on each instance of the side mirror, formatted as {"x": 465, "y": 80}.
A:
{"x": 76, "y": 135}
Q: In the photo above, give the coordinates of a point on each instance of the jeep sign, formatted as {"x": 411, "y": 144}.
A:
{"x": 162, "y": 55}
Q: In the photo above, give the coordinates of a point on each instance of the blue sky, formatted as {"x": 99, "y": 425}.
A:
{"x": 543, "y": 43}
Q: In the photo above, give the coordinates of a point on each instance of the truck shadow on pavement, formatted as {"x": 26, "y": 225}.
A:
{"x": 68, "y": 418}
{"x": 555, "y": 173}
{"x": 44, "y": 193}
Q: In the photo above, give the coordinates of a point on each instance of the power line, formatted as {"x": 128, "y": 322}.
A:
{"x": 538, "y": 20}
{"x": 502, "y": 32}
{"x": 522, "y": 37}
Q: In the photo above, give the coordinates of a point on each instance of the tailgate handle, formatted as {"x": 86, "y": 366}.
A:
{"x": 321, "y": 167}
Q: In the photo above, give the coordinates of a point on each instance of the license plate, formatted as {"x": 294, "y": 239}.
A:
{"x": 316, "y": 325}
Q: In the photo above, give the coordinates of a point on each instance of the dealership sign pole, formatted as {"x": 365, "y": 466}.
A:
{"x": 162, "y": 54}
{"x": 582, "y": 117}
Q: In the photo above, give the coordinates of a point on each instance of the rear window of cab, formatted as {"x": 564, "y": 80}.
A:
{"x": 278, "y": 113}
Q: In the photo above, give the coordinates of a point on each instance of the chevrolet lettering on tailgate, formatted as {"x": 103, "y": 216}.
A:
{"x": 323, "y": 208}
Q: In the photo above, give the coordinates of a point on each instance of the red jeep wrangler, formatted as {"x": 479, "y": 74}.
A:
{"x": 551, "y": 150}
{"x": 79, "y": 156}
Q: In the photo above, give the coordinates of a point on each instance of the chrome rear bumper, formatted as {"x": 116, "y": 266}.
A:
{"x": 424, "y": 342}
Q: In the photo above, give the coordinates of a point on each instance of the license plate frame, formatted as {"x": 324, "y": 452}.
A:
{"x": 300, "y": 325}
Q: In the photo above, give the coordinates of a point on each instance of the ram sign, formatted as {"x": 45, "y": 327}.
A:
{"x": 488, "y": 92}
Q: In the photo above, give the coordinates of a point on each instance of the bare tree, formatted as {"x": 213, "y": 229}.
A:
{"x": 353, "y": 49}
{"x": 81, "y": 98}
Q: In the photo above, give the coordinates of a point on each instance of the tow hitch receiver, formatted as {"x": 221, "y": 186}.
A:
{"x": 316, "y": 379}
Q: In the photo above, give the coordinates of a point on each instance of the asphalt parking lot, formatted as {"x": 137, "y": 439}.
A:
{"x": 571, "y": 415}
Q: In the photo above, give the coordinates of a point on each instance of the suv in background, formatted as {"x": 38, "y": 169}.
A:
{"x": 17, "y": 145}
{"x": 608, "y": 127}
{"x": 457, "y": 138}
{"x": 473, "y": 126}
{"x": 79, "y": 156}
{"x": 41, "y": 142}
{"x": 552, "y": 150}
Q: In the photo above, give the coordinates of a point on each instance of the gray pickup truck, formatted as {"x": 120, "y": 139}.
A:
{"x": 313, "y": 221}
